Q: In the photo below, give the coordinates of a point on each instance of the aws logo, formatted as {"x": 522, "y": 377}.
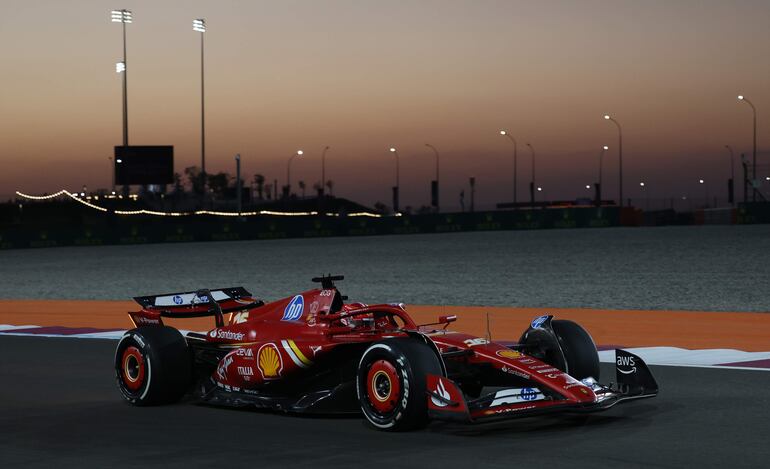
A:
{"x": 294, "y": 309}
{"x": 626, "y": 362}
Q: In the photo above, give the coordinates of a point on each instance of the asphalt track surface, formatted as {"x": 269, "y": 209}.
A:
{"x": 59, "y": 407}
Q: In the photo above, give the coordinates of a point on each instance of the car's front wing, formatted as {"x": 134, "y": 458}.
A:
{"x": 446, "y": 401}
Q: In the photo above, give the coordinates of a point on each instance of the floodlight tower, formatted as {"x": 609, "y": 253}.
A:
{"x": 199, "y": 25}
{"x": 123, "y": 17}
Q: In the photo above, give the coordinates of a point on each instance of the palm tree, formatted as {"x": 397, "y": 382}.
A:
{"x": 330, "y": 185}
{"x": 195, "y": 177}
{"x": 259, "y": 181}
{"x": 302, "y": 186}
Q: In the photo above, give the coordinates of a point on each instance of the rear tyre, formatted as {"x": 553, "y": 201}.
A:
{"x": 579, "y": 349}
{"x": 153, "y": 365}
{"x": 392, "y": 383}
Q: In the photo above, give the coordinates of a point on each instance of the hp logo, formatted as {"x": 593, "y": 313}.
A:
{"x": 294, "y": 309}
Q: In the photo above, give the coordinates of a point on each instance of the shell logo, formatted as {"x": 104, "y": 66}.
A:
{"x": 269, "y": 361}
{"x": 509, "y": 354}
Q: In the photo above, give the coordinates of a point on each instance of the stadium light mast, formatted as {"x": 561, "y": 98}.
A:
{"x": 620, "y": 154}
{"x": 123, "y": 17}
{"x": 199, "y": 25}
{"x": 754, "y": 151}
{"x": 515, "y": 177}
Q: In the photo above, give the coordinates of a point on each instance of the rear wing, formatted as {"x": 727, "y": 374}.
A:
{"x": 193, "y": 304}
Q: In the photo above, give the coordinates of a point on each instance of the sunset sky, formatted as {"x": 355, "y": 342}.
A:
{"x": 364, "y": 75}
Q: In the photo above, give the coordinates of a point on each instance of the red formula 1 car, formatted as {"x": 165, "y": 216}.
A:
{"x": 313, "y": 353}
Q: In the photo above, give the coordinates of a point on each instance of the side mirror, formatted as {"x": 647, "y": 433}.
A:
{"x": 447, "y": 319}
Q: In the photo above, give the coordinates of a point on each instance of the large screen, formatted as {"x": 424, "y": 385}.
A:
{"x": 144, "y": 164}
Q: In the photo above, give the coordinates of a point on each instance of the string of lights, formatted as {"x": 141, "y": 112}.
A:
{"x": 81, "y": 200}
{"x": 59, "y": 194}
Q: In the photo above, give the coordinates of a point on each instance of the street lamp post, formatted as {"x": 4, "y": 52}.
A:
{"x": 754, "y": 151}
{"x": 599, "y": 186}
{"x": 288, "y": 171}
{"x": 532, "y": 184}
{"x": 396, "y": 188}
{"x": 323, "y": 169}
{"x": 435, "y": 192}
{"x": 620, "y": 154}
{"x": 112, "y": 169}
{"x": 731, "y": 183}
{"x": 706, "y": 191}
{"x": 515, "y": 176}
{"x": 123, "y": 17}
{"x": 199, "y": 25}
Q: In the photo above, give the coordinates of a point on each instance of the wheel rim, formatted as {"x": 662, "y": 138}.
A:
{"x": 132, "y": 368}
{"x": 383, "y": 387}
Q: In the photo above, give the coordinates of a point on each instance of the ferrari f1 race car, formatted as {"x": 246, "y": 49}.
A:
{"x": 312, "y": 352}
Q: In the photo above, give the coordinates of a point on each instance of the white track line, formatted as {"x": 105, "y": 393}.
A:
{"x": 674, "y": 356}
{"x": 9, "y": 327}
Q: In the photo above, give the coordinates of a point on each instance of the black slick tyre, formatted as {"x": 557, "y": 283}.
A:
{"x": 391, "y": 383}
{"x": 153, "y": 365}
{"x": 579, "y": 349}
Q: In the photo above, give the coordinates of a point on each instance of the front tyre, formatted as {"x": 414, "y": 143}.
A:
{"x": 152, "y": 365}
{"x": 392, "y": 382}
{"x": 579, "y": 349}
